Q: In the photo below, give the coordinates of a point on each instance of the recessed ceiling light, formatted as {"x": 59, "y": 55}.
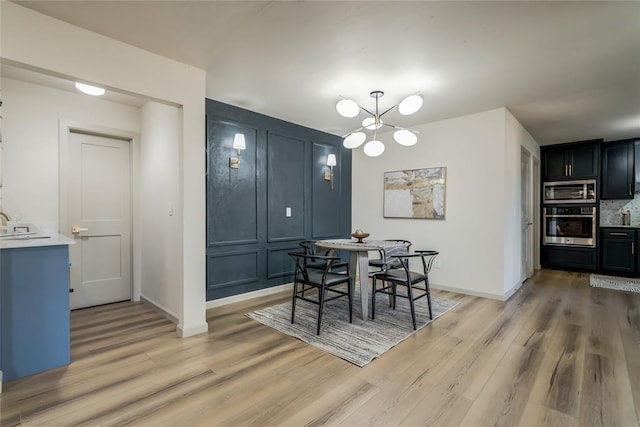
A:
{"x": 89, "y": 90}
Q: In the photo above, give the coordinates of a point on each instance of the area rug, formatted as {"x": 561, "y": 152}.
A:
{"x": 614, "y": 282}
{"x": 361, "y": 341}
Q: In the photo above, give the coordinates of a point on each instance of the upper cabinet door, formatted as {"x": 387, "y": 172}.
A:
{"x": 555, "y": 165}
{"x": 571, "y": 161}
{"x": 618, "y": 178}
{"x": 583, "y": 161}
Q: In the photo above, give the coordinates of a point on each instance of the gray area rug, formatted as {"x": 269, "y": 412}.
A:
{"x": 361, "y": 341}
{"x": 628, "y": 284}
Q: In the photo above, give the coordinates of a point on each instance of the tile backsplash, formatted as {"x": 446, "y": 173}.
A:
{"x": 610, "y": 211}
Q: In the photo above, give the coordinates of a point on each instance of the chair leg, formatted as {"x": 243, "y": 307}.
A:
{"x": 373, "y": 299}
{"x": 426, "y": 286}
{"x": 293, "y": 302}
{"x": 350, "y": 301}
{"x": 393, "y": 297}
{"x": 413, "y": 310}
{"x": 321, "y": 306}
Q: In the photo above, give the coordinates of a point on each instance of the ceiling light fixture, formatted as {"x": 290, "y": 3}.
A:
{"x": 374, "y": 148}
{"x": 89, "y": 90}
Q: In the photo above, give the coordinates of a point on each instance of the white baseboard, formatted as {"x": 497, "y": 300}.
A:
{"x": 160, "y": 309}
{"x": 467, "y": 292}
{"x": 513, "y": 290}
{"x": 249, "y": 295}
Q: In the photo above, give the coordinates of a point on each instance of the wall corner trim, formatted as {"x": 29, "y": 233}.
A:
{"x": 192, "y": 330}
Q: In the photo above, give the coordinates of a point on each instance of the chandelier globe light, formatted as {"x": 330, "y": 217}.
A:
{"x": 405, "y": 137}
{"x": 374, "y": 148}
{"x": 410, "y": 105}
{"x": 347, "y": 108}
{"x": 354, "y": 140}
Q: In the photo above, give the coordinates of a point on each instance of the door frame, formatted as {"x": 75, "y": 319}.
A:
{"x": 536, "y": 186}
{"x": 533, "y": 201}
{"x": 66, "y": 127}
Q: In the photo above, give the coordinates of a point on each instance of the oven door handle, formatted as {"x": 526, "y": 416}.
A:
{"x": 570, "y": 216}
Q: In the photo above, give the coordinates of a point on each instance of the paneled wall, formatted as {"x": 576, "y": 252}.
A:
{"x": 282, "y": 169}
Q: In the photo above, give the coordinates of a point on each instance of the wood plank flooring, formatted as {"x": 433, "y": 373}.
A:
{"x": 558, "y": 353}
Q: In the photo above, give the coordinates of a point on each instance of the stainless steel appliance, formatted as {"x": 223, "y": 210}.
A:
{"x": 579, "y": 191}
{"x": 570, "y": 226}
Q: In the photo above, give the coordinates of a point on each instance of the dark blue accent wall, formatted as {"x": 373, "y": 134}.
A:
{"x": 283, "y": 166}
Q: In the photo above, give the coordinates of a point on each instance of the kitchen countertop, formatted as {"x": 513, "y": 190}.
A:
{"x": 50, "y": 240}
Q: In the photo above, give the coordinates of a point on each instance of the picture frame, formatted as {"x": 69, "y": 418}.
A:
{"x": 415, "y": 193}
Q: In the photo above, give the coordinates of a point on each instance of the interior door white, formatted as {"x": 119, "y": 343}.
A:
{"x": 526, "y": 215}
{"x": 99, "y": 214}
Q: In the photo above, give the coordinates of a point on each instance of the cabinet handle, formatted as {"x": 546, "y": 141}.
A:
{"x": 618, "y": 234}
{"x": 570, "y": 170}
{"x": 630, "y": 192}
{"x": 633, "y": 251}
{"x": 566, "y": 170}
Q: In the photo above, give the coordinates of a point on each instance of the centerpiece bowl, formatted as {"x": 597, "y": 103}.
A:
{"x": 360, "y": 236}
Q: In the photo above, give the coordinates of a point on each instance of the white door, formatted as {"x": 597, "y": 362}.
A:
{"x": 99, "y": 211}
{"x": 526, "y": 216}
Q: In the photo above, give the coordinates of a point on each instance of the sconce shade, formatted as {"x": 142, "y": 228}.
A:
{"x": 347, "y": 108}
{"x": 410, "y": 105}
{"x": 405, "y": 137}
{"x": 354, "y": 140}
{"x": 374, "y": 148}
{"x": 331, "y": 160}
{"x": 238, "y": 141}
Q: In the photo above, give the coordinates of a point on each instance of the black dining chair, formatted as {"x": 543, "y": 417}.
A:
{"x": 411, "y": 280}
{"x": 323, "y": 280}
{"x": 386, "y": 262}
{"x": 310, "y": 248}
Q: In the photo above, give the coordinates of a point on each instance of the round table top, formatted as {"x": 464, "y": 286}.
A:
{"x": 352, "y": 244}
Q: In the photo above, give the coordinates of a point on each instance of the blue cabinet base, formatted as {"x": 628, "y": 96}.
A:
{"x": 34, "y": 299}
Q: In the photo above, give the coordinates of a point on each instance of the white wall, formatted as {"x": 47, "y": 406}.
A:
{"x": 516, "y": 137}
{"x": 40, "y": 42}
{"x": 160, "y": 228}
{"x": 30, "y": 167}
{"x": 471, "y": 239}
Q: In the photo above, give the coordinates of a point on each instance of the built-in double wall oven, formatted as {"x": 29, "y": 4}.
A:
{"x": 569, "y": 213}
{"x": 570, "y": 225}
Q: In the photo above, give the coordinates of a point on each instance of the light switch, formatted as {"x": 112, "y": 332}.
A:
{"x": 170, "y": 208}
{"x": 287, "y": 212}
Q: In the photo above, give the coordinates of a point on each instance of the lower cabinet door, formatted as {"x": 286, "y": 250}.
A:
{"x": 618, "y": 255}
{"x": 569, "y": 257}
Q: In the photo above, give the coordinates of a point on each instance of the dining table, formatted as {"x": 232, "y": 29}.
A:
{"x": 358, "y": 262}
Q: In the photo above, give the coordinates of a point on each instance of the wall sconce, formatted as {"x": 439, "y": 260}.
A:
{"x": 238, "y": 144}
{"x": 331, "y": 162}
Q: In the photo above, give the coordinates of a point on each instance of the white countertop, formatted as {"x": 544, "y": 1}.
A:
{"x": 49, "y": 240}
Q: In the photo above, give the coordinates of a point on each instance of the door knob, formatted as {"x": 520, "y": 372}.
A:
{"x": 76, "y": 229}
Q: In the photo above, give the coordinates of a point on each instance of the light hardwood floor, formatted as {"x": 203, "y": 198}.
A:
{"x": 558, "y": 353}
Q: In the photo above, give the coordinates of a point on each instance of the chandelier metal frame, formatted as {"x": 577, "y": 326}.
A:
{"x": 376, "y": 123}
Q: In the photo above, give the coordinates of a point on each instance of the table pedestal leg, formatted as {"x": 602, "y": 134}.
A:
{"x": 359, "y": 261}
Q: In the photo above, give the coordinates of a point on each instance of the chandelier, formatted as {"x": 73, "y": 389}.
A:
{"x": 374, "y": 148}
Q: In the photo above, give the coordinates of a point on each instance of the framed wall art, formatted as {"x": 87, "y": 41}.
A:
{"x": 416, "y": 193}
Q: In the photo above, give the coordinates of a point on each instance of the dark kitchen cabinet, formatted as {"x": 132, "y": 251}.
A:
{"x": 618, "y": 250}
{"x": 571, "y": 161}
{"x": 573, "y": 257}
{"x": 618, "y": 177}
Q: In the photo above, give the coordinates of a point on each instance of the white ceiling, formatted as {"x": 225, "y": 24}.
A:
{"x": 568, "y": 71}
